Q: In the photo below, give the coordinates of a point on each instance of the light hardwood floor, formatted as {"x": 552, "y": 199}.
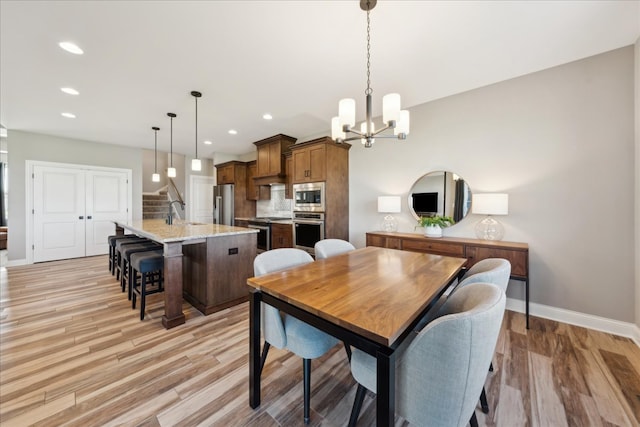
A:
{"x": 72, "y": 352}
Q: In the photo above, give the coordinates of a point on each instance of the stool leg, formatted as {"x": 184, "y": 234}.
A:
{"x": 133, "y": 291}
{"x": 143, "y": 293}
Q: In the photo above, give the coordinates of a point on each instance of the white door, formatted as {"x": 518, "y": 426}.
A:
{"x": 106, "y": 201}
{"x": 58, "y": 213}
{"x": 201, "y": 209}
{"x": 74, "y": 210}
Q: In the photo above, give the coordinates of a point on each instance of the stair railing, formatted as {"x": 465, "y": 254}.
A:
{"x": 174, "y": 195}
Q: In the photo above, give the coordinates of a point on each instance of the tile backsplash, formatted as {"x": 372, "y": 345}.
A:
{"x": 277, "y": 205}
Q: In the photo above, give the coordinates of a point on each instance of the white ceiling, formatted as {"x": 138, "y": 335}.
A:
{"x": 293, "y": 59}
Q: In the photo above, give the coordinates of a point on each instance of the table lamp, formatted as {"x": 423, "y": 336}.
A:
{"x": 490, "y": 204}
{"x": 389, "y": 205}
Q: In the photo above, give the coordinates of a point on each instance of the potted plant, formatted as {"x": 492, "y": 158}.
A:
{"x": 433, "y": 225}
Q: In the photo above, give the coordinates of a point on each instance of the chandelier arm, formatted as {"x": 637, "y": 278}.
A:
{"x": 357, "y": 133}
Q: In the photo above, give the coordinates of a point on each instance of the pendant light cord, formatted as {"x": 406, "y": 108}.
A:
{"x": 171, "y": 141}
{"x": 155, "y": 163}
{"x": 196, "y": 127}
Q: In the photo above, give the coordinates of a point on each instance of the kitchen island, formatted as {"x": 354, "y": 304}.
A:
{"x": 206, "y": 264}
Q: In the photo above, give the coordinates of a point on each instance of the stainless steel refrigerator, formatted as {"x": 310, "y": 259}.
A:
{"x": 223, "y": 204}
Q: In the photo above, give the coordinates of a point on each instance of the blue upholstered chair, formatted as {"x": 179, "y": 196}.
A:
{"x": 287, "y": 332}
{"x": 441, "y": 369}
{"x": 330, "y": 247}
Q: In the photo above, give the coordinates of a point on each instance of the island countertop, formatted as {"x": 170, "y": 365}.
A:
{"x": 180, "y": 231}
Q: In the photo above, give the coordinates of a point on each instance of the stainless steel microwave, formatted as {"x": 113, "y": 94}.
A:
{"x": 309, "y": 197}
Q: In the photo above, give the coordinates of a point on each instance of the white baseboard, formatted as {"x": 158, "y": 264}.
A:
{"x": 615, "y": 327}
{"x": 17, "y": 262}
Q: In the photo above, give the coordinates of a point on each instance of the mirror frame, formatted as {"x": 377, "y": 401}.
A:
{"x": 442, "y": 198}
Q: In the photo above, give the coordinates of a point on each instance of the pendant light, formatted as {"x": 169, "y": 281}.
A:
{"x": 196, "y": 164}
{"x": 156, "y": 176}
{"x": 171, "y": 171}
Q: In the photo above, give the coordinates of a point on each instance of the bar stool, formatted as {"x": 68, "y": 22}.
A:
{"x": 125, "y": 263}
{"x": 150, "y": 265}
{"x": 118, "y": 249}
{"x": 112, "y": 249}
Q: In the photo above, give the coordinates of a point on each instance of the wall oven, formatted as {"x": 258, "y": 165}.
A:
{"x": 308, "y": 228}
{"x": 264, "y": 234}
{"x": 309, "y": 197}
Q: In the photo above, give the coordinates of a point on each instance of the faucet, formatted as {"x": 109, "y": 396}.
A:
{"x": 169, "y": 219}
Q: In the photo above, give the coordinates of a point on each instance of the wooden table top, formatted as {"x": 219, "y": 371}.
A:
{"x": 160, "y": 231}
{"x": 375, "y": 292}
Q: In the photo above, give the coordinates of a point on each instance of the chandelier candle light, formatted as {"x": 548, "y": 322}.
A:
{"x": 156, "y": 176}
{"x": 392, "y": 116}
{"x": 196, "y": 164}
{"x": 490, "y": 204}
{"x": 171, "y": 171}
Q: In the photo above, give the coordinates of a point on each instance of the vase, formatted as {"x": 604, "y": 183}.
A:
{"x": 432, "y": 231}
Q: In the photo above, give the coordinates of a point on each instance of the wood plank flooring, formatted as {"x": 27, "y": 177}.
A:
{"x": 74, "y": 353}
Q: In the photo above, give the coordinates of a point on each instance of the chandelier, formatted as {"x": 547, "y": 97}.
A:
{"x": 392, "y": 116}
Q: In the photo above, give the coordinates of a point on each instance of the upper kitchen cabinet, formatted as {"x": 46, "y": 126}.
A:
{"x": 226, "y": 173}
{"x": 320, "y": 159}
{"x": 256, "y": 192}
{"x": 288, "y": 185}
{"x": 271, "y": 161}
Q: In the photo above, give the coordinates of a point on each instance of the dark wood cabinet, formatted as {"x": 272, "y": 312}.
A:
{"x": 309, "y": 164}
{"x": 270, "y": 159}
{"x": 473, "y": 250}
{"x": 288, "y": 184}
{"x": 281, "y": 235}
{"x": 235, "y": 172}
{"x": 225, "y": 173}
{"x": 256, "y": 192}
{"x": 323, "y": 160}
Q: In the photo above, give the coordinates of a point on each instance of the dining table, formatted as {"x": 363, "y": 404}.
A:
{"x": 370, "y": 298}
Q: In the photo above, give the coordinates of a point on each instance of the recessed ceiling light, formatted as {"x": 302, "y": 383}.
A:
{"x": 69, "y": 91}
{"x": 233, "y": 132}
{"x": 69, "y": 115}
{"x": 267, "y": 116}
{"x": 71, "y": 47}
{"x": 207, "y": 142}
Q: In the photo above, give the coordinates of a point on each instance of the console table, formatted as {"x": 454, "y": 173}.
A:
{"x": 473, "y": 249}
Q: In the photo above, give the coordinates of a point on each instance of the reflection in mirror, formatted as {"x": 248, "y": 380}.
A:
{"x": 440, "y": 193}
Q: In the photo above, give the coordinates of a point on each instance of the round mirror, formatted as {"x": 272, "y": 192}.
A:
{"x": 440, "y": 193}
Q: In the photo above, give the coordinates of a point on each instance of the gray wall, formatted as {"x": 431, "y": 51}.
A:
{"x": 148, "y": 163}
{"x": 25, "y": 146}
{"x": 560, "y": 142}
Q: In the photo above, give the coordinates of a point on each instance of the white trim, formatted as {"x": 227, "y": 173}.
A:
{"x": 17, "y": 262}
{"x": 29, "y": 170}
{"x": 615, "y": 327}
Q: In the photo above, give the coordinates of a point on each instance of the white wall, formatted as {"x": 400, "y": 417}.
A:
{"x": 25, "y": 146}
{"x": 637, "y": 209}
{"x": 561, "y": 143}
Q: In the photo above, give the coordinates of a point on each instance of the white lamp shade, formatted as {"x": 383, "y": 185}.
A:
{"x": 490, "y": 204}
{"x": 389, "y": 204}
{"x": 196, "y": 165}
{"x": 336, "y": 129}
{"x": 390, "y": 107}
{"x": 155, "y": 177}
{"x": 171, "y": 172}
{"x": 402, "y": 126}
{"x": 347, "y": 111}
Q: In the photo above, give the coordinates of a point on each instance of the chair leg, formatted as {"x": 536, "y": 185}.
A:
{"x": 483, "y": 401}
{"x": 357, "y": 405}
{"x": 348, "y": 350}
{"x": 473, "y": 421}
{"x": 263, "y": 357}
{"x": 306, "y": 373}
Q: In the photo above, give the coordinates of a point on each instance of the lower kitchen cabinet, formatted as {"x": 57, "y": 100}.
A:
{"x": 281, "y": 235}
